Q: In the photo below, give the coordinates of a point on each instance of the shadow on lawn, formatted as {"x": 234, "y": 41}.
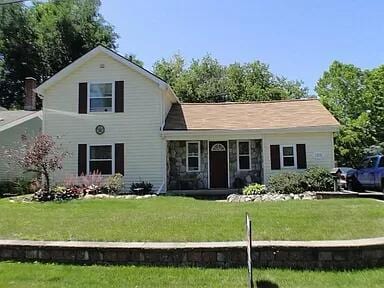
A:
{"x": 266, "y": 284}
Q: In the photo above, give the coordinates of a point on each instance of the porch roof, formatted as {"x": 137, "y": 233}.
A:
{"x": 290, "y": 114}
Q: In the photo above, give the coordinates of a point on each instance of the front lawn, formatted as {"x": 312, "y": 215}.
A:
{"x": 48, "y": 275}
{"x": 187, "y": 219}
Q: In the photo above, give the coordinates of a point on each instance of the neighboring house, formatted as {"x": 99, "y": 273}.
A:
{"x": 116, "y": 117}
{"x": 13, "y": 125}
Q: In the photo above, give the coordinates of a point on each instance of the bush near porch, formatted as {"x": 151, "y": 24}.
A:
{"x": 187, "y": 219}
{"x": 313, "y": 179}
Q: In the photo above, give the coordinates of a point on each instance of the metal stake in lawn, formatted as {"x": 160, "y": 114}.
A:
{"x": 248, "y": 225}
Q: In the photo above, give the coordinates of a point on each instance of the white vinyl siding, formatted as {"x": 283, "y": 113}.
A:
{"x": 11, "y": 138}
{"x": 138, "y": 127}
{"x": 318, "y": 145}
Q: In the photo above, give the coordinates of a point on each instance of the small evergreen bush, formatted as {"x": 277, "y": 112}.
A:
{"x": 287, "y": 183}
{"x": 313, "y": 179}
{"x": 146, "y": 188}
{"x": 19, "y": 186}
{"x": 318, "y": 179}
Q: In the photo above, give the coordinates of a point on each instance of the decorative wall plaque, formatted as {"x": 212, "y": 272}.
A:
{"x": 100, "y": 129}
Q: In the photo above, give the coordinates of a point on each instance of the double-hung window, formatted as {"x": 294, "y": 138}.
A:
{"x": 100, "y": 159}
{"x": 244, "y": 155}
{"x": 101, "y": 97}
{"x": 193, "y": 156}
{"x": 288, "y": 155}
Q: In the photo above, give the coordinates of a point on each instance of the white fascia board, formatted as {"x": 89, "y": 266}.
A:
{"x": 209, "y": 133}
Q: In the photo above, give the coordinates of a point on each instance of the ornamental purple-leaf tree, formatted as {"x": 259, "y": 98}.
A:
{"x": 38, "y": 154}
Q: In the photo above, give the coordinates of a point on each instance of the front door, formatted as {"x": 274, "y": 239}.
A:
{"x": 218, "y": 164}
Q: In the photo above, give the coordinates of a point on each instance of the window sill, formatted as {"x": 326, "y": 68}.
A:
{"x": 288, "y": 168}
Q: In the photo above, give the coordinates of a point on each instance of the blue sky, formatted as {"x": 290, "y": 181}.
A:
{"x": 297, "y": 38}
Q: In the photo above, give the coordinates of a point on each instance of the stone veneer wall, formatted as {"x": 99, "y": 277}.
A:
{"x": 256, "y": 173}
{"x": 314, "y": 255}
{"x": 178, "y": 177}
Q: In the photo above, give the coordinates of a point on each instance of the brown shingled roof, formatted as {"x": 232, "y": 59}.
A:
{"x": 255, "y": 115}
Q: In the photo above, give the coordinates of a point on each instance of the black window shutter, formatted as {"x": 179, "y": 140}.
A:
{"x": 119, "y": 158}
{"x": 275, "y": 157}
{"x": 82, "y": 160}
{"x": 119, "y": 96}
{"x": 301, "y": 156}
{"x": 83, "y": 97}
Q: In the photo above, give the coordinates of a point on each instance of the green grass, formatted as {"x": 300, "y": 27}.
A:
{"x": 22, "y": 275}
{"x": 186, "y": 219}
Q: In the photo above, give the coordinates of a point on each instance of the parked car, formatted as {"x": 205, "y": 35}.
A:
{"x": 369, "y": 175}
{"x": 343, "y": 176}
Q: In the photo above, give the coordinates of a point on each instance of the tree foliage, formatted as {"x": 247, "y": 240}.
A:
{"x": 41, "y": 39}
{"x": 206, "y": 80}
{"x": 356, "y": 98}
{"x": 133, "y": 58}
{"x": 39, "y": 154}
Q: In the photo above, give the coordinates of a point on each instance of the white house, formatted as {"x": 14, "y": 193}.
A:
{"x": 116, "y": 117}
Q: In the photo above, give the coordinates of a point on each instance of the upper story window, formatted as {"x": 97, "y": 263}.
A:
{"x": 244, "y": 155}
{"x": 101, "y": 97}
{"x": 100, "y": 159}
{"x": 288, "y": 155}
{"x": 193, "y": 156}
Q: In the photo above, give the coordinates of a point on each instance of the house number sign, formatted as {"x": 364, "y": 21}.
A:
{"x": 100, "y": 129}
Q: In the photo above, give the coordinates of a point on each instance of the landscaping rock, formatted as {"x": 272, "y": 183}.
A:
{"x": 271, "y": 197}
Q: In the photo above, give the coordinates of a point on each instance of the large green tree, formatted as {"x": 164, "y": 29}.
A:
{"x": 206, "y": 80}
{"x": 356, "y": 98}
{"x": 41, "y": 39}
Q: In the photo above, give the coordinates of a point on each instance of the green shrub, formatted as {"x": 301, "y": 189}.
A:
{"x": 146, "y": 187}
{"x": 318, "y": 179}
{"x": 253, "y": 189}
{"x": 313, "y": 179}
{"x": 19, "y": 186}
{"x": 59, "y": 193}
{"x": 115, "y": 183}
{"x": 287, "y": 183}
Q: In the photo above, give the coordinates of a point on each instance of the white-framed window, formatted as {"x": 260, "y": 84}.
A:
{"x": 288, "y": 156}
{"x": 101, "y": 97}
{"x": 243, "y": 155}
{"x": 193, "y": 156}
{"x": 100, "y": 159}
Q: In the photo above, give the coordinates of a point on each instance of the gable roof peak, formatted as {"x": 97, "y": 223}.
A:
{"x": 119, "y": 58}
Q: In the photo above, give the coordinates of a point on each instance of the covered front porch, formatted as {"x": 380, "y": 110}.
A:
{"x": 213, "y": 166}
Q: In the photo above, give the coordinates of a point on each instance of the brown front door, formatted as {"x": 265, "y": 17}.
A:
{"x": 218, "y": 164}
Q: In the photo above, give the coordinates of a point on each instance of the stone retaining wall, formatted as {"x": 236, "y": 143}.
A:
{"x": 283, "y": 254}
